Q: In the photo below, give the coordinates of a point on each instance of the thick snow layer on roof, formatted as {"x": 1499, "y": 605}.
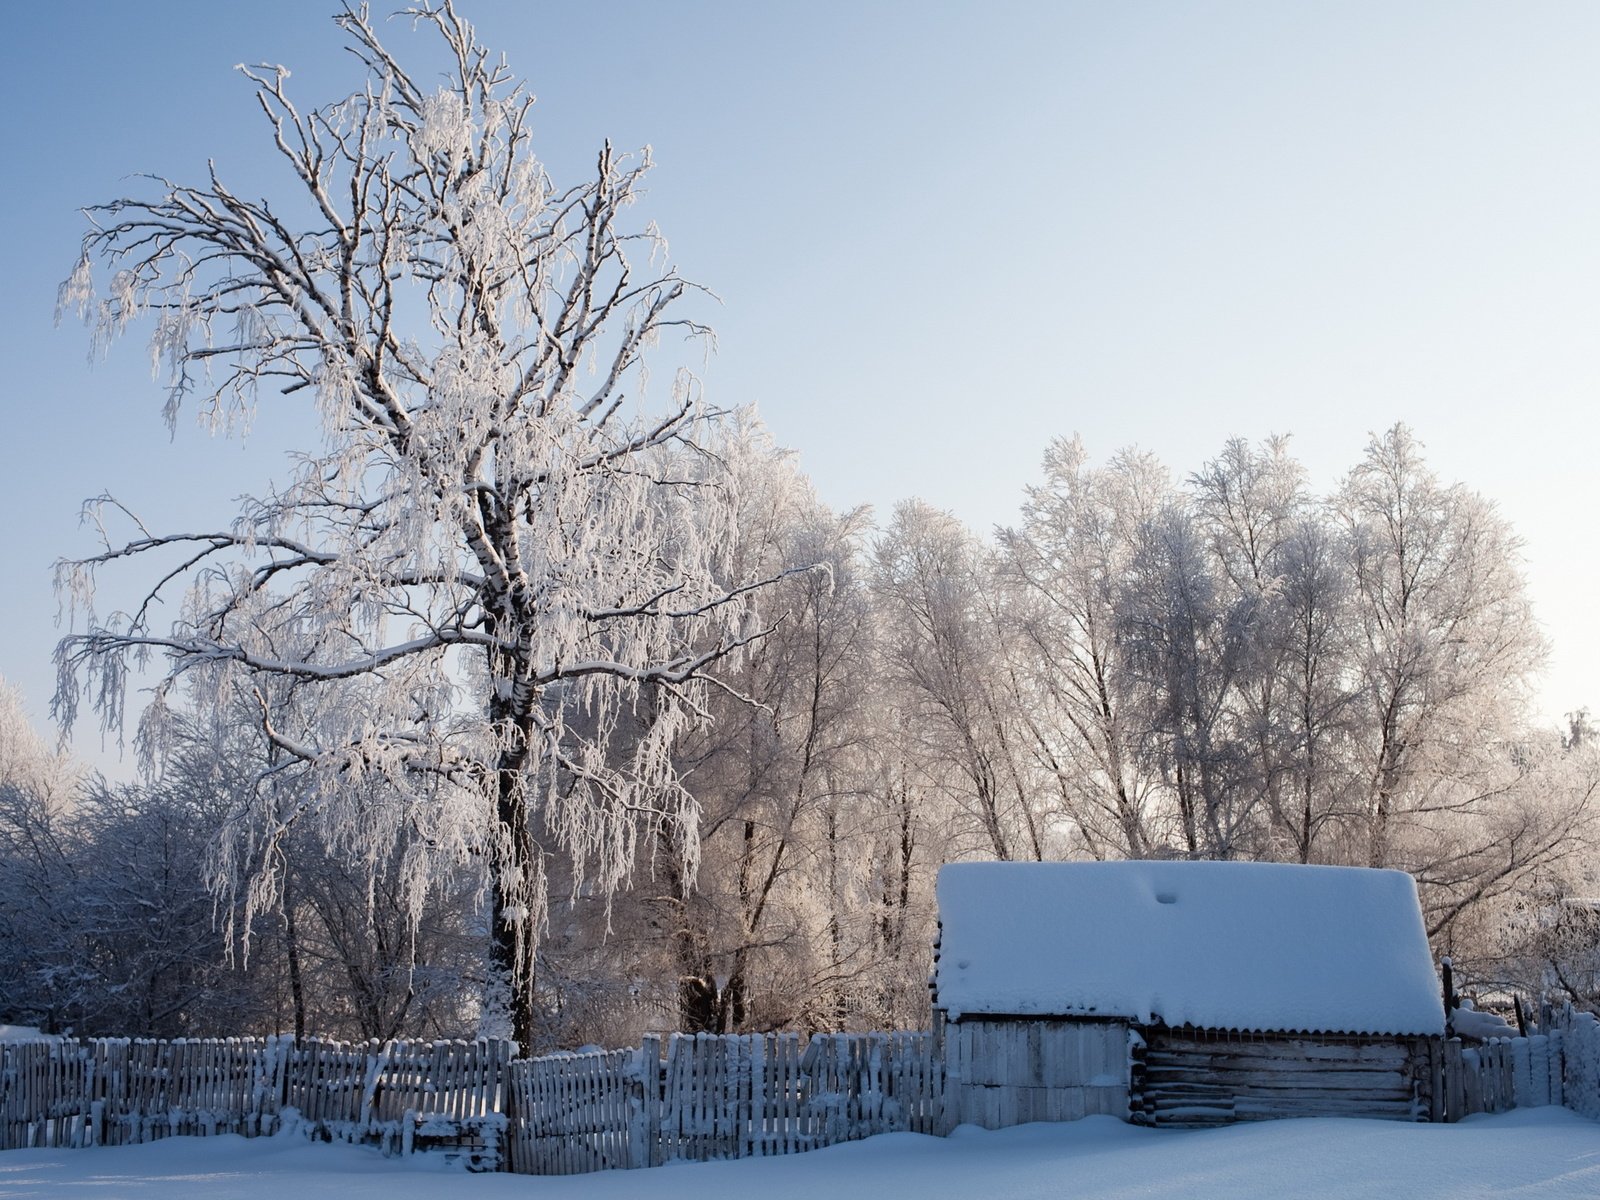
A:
{"x": 1469, "y": 1022}
{"x": 25, "y": 1033}
{"x": 1247, "y": 946}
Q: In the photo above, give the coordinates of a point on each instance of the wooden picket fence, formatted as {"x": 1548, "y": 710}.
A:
{"x": 1500, "y": 1074}
{"x": 707, "y": 1097}
{"x": 1469, "y": 1079}
{"x": 719, "y": 1097}
{"x": 693, "y": 1097}
{"x": 116, "y": 1091}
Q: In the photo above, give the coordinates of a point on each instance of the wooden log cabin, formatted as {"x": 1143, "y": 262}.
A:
{"x": 1183, "y": 993}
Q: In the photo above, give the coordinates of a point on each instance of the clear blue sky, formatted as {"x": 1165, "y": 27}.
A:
{"x": 943, "y": 233}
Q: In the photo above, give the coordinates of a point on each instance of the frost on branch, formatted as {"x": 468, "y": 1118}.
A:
{"x": 475, "y": 622}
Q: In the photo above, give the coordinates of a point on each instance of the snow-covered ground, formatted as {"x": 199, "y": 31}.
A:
{"x": 1545, "y": 1153}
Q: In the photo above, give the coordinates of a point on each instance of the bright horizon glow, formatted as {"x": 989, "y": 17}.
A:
{"x": 940, "y": 240}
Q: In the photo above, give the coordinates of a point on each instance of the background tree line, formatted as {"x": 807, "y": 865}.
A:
{"x": 544, "y": 700}
{"x": 1224, "y": 666}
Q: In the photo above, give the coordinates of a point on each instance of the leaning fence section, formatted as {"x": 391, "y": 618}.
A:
{"x": 703, "y": 1097}
{"x": 576, "y": 1112}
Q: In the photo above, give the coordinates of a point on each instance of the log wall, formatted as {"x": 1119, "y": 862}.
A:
{"x": 1203, "y": 1077}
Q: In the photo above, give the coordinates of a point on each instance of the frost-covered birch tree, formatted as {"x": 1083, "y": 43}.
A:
{"x": 1447, "y": 643}
{"x": 756, "y": 942}
{"x": 491, "y": 565}
{"x": 1070, "y": 559}
{"x": 944, "y": 630}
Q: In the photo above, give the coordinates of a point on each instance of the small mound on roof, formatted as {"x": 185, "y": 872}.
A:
{"x": 1257, "y": 947}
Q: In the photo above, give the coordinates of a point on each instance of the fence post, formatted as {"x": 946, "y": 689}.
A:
{"x": 507, "y": 1106}
{"x": 1454, "y": 1092}
{"x": 1435, "y": 1069}
{"x": 1524, "y": 1052}
{"x": 645, "y": 1135}
{"x": 1556, "y": 1063}
{"x": 1508, "y": 1087}
{"x": 1557, "y": 1066}
{"x": 377, "y": 1059}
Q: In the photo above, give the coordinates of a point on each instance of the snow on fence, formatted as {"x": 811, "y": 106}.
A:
{"x": 1537, "y": 1065}
{"x": 1580, "y": 1047}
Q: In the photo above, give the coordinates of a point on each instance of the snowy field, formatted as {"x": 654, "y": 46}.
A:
{"x": 1544, "y": 1152}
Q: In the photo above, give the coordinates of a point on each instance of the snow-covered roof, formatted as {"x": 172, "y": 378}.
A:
{"x": 1469, "y": 1022}
{"x": 1264, "y": 947}
{"x": 25, "y": 1033}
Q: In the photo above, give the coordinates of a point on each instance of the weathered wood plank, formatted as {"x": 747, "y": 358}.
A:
{"x": 1274, "y": 1084}
{"x": 1269, "y": 1055}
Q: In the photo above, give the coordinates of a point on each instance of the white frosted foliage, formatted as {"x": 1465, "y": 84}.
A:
{"x": 475, "y": 623}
